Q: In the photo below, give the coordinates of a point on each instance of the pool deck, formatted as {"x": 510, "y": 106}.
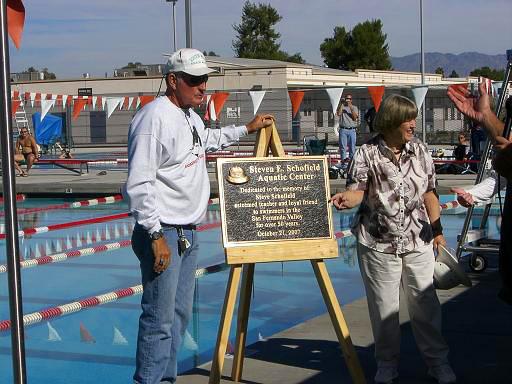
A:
{"x": 104, "y": 181}
{"x": 476, "y": 325}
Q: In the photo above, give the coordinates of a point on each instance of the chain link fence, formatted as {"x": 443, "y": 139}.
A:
{"x": 315, "y": 117}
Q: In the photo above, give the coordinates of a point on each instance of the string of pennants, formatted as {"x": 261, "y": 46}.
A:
{"x": 214, "y": 102}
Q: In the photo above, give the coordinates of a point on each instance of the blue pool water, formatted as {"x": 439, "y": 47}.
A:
{"x": 98, "y": 344}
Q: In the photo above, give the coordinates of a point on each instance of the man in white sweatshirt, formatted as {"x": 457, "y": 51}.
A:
{"x": 167, "y": 190}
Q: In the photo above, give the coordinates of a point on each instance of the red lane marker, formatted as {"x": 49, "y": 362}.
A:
{"x": 19, "y": 197}
{"x": 77, "y": 223}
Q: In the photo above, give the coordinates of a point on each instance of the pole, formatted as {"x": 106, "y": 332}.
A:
{"x": 422, "y": 68}
{"x": 174, "y": 24}
{"x": 11, "y": 220}
{"x": 188, "y": 22}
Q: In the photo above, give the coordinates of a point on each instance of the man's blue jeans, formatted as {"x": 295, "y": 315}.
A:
{"x": 166, "y": 306}
{"x": 347, "y": 137}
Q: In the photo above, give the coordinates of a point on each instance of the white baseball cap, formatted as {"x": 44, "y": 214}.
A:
{"x": 188, "y": 60}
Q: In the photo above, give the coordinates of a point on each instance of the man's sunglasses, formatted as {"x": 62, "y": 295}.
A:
{"x": 193, "y": 81}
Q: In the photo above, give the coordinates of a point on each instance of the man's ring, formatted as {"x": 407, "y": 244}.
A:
{"x": 161, "y": 262}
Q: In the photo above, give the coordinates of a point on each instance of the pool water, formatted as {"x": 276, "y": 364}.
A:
{"x": 98, "y": 344}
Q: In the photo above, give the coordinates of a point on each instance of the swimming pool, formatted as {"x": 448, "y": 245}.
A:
{"x": 97, "y": 344}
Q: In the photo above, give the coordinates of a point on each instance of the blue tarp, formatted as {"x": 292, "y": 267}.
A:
{"x": 47, "y": 131}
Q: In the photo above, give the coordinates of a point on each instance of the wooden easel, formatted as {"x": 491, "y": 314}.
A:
{"x": 268, "y": 138}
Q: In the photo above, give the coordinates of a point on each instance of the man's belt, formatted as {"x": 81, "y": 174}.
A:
{"x": 186, "y": 227}
{"x": 348, "y": 127}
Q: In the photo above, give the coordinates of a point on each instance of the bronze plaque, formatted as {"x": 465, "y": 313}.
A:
{"x": 274, "y": 199}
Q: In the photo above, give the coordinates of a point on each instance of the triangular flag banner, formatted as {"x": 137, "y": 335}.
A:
{"x": 112, "y": 103}
{"x": 145, "y": 99}
{"x": 78, "y": 106}
{"x": 419, "y": 93}
{"x": 45, "y": 107}
{"x": 495, "y": 88}
{"x": 488, "y": 84}
{"x": 460, "y": 88}
{"x": 15, "y": 104}
{"x": 376, "y": 93}
{"x": 334, "y": 96}
{"x": 58, "y": 100}
{"x": 15, "y": 20}
{"x": 220, "y": 99}
{"x": 207, "y": 99}
{"x": 257, "y": 98}
{"x": 296, "y": 99}
{"x": 211, "y": 108}
{"x": 126, "y": 104}
{"x": 98, "y": 103}
{"x": 15, "y": 94}
{"x": 32, "y": 98}
{"x": 94, "y": 100}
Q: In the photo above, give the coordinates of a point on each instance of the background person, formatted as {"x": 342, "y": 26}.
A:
{"x": 25, "y": 149}
{"x": 348, "y": 122}
{"x": 479, "y": 110}
{"x": 369, "y": 117}
{"x": 168, "y": 191}
{"x": 398, "y": 227}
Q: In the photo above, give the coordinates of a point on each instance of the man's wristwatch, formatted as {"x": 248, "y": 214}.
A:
{"x": 156, "y": 235}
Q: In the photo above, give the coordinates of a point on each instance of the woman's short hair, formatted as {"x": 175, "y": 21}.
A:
{"x": 393, "y": 111}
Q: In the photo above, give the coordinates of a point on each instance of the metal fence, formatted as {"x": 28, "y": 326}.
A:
{"x": 315, "y": 117}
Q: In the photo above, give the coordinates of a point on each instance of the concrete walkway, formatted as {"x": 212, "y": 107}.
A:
{"x": 476, "y": 324}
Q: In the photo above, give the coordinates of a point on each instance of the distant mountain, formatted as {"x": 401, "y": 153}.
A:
{"x": 462, "y": 63}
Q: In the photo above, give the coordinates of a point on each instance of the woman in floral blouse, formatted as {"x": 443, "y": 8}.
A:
{"x": 398, "y": 227}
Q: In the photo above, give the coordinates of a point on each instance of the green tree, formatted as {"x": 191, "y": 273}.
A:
{"x": 440, "y": 71}
{"x": 454, "y": 74}
{"x": 210, "y": 53}
{"x": 256, "y": 37}
{"x": 363, "y": 47}
{"x": 490, "y": 73}
{"x": 47, "y": 75}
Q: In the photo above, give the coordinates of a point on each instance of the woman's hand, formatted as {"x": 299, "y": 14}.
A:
{"x": 347, "y": 199}
{"x": 464, "y": 198}
{"x": 439, "y": 240}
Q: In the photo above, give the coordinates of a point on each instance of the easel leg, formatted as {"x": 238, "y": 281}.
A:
{"x": 338, "y": 321}
{"x": 225, "y": 324}
{"x": 243, "y": 317}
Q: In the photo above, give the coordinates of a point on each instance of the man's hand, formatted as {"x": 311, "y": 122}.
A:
{"x": 472, "y": 107}
{"x": 439, "y": 240}
{"x": 259, "y": 122}
{"x": 161, "y": 253}
{"x": 464, "y": 198}
{"x": 347, "y": 199}
{"x": 503, "y": 160}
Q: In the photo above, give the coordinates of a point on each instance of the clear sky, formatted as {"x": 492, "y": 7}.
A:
{"x": 95, "y": 36}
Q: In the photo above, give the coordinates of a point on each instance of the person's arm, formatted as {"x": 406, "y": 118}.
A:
{"x": 478, "y": 110}
{"x": 17, "y": 147}
{"x": 353, "y": 111}
{"x": 34, "y": 146}
{"x": 216, "y": 139}
{"x": 479, "y": 193}
{"x": 347, "y": 199}
{"x": 434, "y": 214}
{"x": 357, "y": 182}
{"x": 503, "y": 158}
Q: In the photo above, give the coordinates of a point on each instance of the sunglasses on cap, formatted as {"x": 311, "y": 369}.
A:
{"x": 192, "y": 81}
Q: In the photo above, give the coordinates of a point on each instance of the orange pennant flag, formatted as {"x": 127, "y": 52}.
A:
{"x": 459, "y": 88}
{"x": 376, "y": 93}
{"x": 15, "y": 20}
{"x": 145, "y": 99}
{"x": 16, "y": 95}
{"x": 58, "y": 100}
{"x": 220, "y": 99}
{"x": 78, "y": 106}
{"x": 296, "y": 99}
{"x": 15, "y": 104}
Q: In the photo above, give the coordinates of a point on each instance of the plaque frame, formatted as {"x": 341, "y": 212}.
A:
{"x": 258, "y": 251}
{"x": 245, "y": 258}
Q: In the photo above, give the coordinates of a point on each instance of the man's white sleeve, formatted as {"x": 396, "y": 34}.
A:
{"x": 484, "y": 191}
{"x": 224, "y": 137}
{"x": 144, "y": 154}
